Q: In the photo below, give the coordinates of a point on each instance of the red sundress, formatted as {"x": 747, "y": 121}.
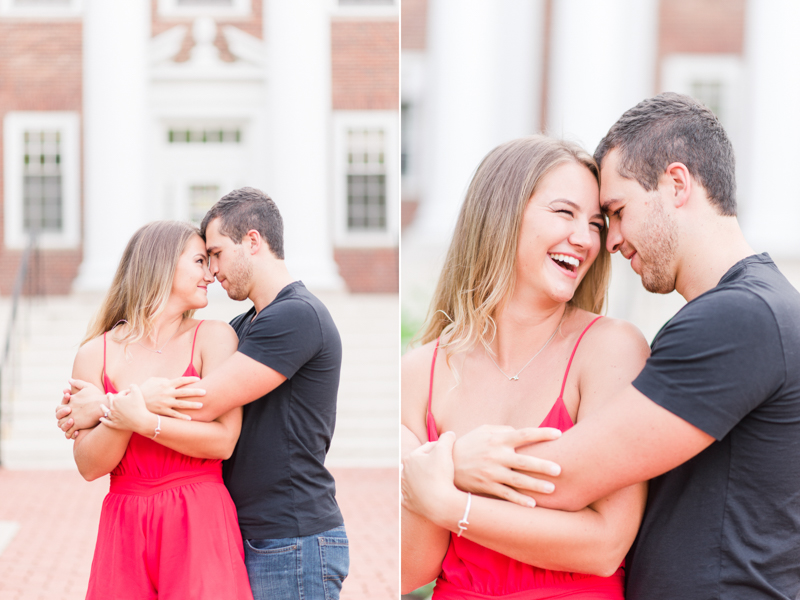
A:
{"x": 473, "y": 572}
{"x": 168, "y": 527}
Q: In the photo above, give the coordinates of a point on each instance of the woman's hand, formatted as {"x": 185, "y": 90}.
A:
{"x": 486, "y": 462}
{"x": 128, "y": 411}
{"x": 427, "y": 482}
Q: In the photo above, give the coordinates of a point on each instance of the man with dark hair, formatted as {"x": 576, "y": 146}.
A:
{"x": 286, "y": 375}
{"x": 714, "y": 417}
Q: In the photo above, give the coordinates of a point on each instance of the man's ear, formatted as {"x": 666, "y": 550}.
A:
{"x": 679, "y": 184}
{"x": 253, "y": 238}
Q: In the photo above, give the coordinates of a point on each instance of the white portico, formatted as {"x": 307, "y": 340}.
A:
{"x": 166, "y": 139}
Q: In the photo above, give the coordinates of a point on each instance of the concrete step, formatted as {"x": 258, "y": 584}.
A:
{"x": 52, "y": 327}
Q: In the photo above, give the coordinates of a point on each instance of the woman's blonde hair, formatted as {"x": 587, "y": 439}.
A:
{"x": 143, "y": 282}
{"x": 479, "y": 273}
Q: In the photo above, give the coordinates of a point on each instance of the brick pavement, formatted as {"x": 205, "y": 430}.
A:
{"x": 57, "y": 512}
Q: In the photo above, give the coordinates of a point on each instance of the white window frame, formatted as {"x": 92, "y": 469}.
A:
{"x": 361, "y": 11}
{"x": 9, "y": 9}
{"x": 679, "y": 71}
{"x": 388, "y": 120}
{"x": 14, "y": 126}
{"x": 171, "y": 8}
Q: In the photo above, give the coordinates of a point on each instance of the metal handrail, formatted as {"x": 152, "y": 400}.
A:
{"x": 19, "y": 282}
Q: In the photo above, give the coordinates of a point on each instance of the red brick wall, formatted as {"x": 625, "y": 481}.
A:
{"x": 408, "y": 211}
{"x": 414, "y": 15}
{"x": 374, "y": 270}
{"x": 252, "y": 25}
{"x": 365, "y": 65}
{"x": 701, "y": 26}
{"x": 40, "y": 69}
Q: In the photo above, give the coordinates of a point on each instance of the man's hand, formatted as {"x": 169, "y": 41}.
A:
{"x": 162, "y": 396}
{"x": 486, "y": 462}
{"x": 80, "y": 410}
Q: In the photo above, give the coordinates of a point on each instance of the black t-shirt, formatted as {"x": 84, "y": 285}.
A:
{"x": 276, "y": 474}
{"x": 726, "y": 524}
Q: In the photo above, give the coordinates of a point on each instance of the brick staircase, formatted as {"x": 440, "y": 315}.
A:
{"x": 52, "y": 327}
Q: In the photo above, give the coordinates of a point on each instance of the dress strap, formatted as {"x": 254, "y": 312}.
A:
{"x": 430, "y": 422}
{"x": 574, "y": 350}
{"x": 191, "y": 360}
{"x": 104, "y": 358}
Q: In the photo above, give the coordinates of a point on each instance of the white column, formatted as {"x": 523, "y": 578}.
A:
{"x": 771, "y": 215}
{"x": 483, "y": 88}
{"x": 297, "y": 34}
{"x": 115, "y": 37}
{"x": 603, "y": 58}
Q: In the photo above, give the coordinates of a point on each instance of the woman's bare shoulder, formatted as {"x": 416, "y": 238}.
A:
{"x": 415, "y": 373}
{"x": 216, "y": 334}
{"x": 213, "y": 327}
{"x": 612, "y": 354}
{"x": 608, "y": 333}
{"x": 417, "y": 361}
{"x": 91, "y": 350}
{"x": 617, "y": 336}
{"x": 89, "y": 360}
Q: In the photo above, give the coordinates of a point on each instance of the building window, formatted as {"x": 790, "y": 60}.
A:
{"x": 710, "y": 93}
{"x": 201, "y": 199}
{"x": 204, "y": 136}
{"x": 366, "y": 180}
{"x": 367, "y": 174}
{"x": 41, "y": 178}
{"x": 200, "y": 8}
{"x": 42, "y": 194}
{"x": 713, "y": 79}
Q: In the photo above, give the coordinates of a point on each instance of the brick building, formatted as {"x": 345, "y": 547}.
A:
{"x": 117, "y": 113}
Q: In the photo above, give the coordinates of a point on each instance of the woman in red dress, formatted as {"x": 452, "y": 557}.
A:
{"x": 168, "y": 527}
{"x": 514, "y": 339}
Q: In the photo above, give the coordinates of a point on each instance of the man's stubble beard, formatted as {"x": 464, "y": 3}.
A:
{"x": 238, "y": 276}
{"x": 661, "y": 242}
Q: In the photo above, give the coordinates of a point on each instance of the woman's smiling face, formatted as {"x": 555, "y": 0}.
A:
{"x": 192, "y": 277}
{"x": 560, "y": 232}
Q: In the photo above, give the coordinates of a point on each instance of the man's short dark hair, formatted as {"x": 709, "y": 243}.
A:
{"x": 245, "y": 209}
{"x": 671, "y": 128}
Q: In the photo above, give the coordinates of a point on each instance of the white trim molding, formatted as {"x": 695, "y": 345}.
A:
{"x": 42, "y": 9}
{"x": 15, "y": 125}
{"x": 387, "y": 122}
{"x": 365, "y": 9}
{"x": 236, "y": 9}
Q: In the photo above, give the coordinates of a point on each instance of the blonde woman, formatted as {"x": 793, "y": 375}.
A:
{"x": 514, "y": 339}
{"x": 168, "y": 526}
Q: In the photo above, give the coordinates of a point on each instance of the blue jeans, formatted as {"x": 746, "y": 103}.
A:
{"x": 302, "y": 568}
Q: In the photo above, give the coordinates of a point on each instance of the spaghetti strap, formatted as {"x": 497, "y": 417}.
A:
{"x": 191, "y": 360}
{"x": 105, "y": 375}
{"x": 575, "y": 349}
{"x": 430, "y": 422}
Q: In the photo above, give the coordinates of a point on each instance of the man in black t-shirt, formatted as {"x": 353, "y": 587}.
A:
{"x": 714, "y": 417}
{"x": 286, "y": 376}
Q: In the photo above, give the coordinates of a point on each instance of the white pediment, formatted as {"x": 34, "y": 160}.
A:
{"x": 204, "y": 57}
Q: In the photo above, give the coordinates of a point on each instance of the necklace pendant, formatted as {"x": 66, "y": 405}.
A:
{"x": 514, "y": 378}
{"x": 158, "y": 351}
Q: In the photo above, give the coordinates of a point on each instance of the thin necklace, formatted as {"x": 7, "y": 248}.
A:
{"x": 165, "y": 344}
{"x": 516, "y": 377}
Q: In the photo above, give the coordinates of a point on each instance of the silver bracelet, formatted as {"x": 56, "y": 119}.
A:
{"x": 158, "y": 427}
{"x": 462, "y": 524}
